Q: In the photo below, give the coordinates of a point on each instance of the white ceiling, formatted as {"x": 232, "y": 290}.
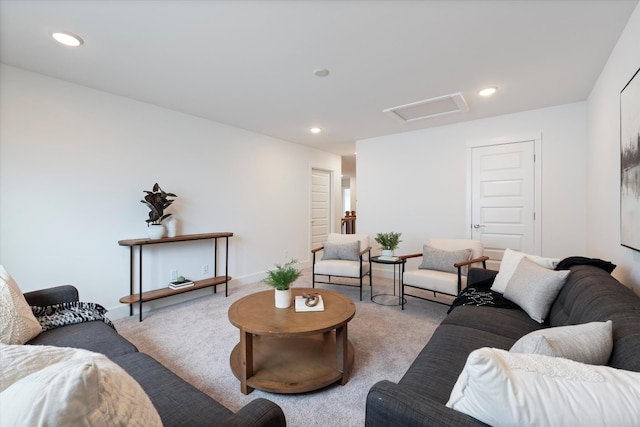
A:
{"x": 250, "y": 63}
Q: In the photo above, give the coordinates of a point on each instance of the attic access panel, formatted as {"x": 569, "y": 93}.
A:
{"x": 428, "y": 108}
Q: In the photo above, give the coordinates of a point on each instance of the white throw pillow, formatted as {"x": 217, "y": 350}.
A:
{"x": 510, "y": 261}
{"x": 17, "y": 322}
{"x": 535, "y": 288}
{"x": 57, "y": 386}
{"x": 590, "y": 343}
{"x": 510, "y": 389}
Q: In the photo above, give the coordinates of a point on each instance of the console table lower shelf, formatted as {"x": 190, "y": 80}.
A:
{"x": 167, "y": 292}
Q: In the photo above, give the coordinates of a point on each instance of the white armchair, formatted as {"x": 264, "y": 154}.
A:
{"x": 344, "y": 256}
{"x": 444, "y": 267}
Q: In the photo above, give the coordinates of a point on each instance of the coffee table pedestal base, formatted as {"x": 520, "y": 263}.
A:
{"x": 290, "y": 365}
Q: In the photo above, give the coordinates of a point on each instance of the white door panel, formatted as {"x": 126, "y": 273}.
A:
{"x": 503, "y": 198}
{"x": 320, "y": 206}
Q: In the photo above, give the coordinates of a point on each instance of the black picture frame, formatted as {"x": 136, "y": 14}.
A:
{"x": 630, "y": 163}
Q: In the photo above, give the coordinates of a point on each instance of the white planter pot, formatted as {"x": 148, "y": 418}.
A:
{"x": 172, "y": 225}
{"x": 283, "y": 298}
{"x": 155, "y": 231}
{"x": 387, "y": 253}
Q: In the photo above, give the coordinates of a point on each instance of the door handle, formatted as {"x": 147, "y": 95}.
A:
{"x": 476, "y": 226}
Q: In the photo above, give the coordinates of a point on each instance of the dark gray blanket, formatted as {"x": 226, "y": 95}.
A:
{"x": 482, "y": 296}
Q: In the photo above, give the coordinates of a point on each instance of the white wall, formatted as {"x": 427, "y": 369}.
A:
{"x": 603, "y": 179}
{"x": 73, "y": 166}
{"x": 415, "y": 182}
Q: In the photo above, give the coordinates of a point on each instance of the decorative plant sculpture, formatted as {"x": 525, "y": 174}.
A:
{"x": 157, "y": 201}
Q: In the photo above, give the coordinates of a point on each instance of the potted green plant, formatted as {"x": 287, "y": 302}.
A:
{"x": 388, "y": 242}
{"x": 157, "y": 200}
{"x": 280, "y": 279}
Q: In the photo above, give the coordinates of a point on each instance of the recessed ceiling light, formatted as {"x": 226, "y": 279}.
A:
{"x": 487, "y": 91}
{"x": 67, "y": 39}
{"x": 323, "y": 72}
{"x": 315, "y": 130}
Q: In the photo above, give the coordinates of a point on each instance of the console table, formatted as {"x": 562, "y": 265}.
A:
{"x": 166, "y": 291}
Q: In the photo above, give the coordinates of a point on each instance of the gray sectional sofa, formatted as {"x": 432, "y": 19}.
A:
{"x": 178, "y": 403}
{"x": 590, "y": 294}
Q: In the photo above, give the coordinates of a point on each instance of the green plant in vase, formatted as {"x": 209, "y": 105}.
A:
{"x": 388, "y": 242}
{"x": 281, "y": 278}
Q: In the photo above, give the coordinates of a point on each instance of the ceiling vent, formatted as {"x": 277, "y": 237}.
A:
{"x": 434, "y": 107}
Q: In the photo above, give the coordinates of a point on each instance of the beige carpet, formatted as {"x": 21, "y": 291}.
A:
{"x": 194, "y": 339}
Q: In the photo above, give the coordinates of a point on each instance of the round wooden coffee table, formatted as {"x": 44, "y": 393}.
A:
{"x": 284, "y": 351}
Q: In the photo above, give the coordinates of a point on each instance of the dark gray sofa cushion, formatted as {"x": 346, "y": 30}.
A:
{"x": 181, "y": 404}
{"x": 178, "y": 402}
{"x": 592, "y": 295}
{"x": 436, "y": 368}
{"x": 94, "y": 336}
{"x": 509, "y": 323}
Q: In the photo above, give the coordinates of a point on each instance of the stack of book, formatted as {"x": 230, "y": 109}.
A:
{"x": 301, "y": 306}
{"x": 180, "y": 285}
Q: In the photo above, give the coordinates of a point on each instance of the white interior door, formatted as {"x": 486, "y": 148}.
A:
{"x": 320, "y": 206}
{"x": 503, "y": 198}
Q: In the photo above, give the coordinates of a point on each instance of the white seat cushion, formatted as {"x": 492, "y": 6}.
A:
{"x": 433, "y": 280}
{"x": 335, "y": 267}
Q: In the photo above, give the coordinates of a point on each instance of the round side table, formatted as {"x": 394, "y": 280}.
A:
{"x": 388, "y": 299}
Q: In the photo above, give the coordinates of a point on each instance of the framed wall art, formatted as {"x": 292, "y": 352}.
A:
{"x": 630, "y": 163}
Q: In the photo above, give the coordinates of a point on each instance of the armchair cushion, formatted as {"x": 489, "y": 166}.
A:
{"x": 441, "y": 260}
{"x": 434, "y": 280}
{"x": 335, "y": 267}
{"x": 343, "y": 251}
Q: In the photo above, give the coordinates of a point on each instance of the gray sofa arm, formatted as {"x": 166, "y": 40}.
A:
{"x": 51, "y": 296}
{"x": 259, "y": 413}
{"x": 391, "y": 405}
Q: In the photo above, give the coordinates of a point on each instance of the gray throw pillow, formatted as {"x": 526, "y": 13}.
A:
{"x": 535, "y": 288}
{"x": 344, "y": 251}
{"x": 441, "y": 260}
{"x": 590, "y": 343}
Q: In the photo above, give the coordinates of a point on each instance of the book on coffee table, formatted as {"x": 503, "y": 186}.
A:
{"x": 301, "y": 306}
